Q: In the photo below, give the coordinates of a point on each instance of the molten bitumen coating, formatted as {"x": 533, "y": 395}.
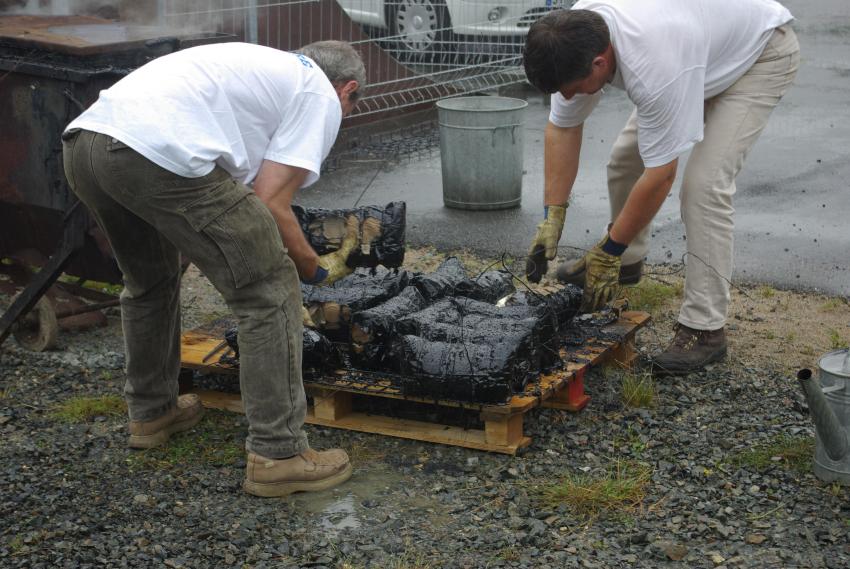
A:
{"x": 386, "y": 249}
{"x": 359, "y": 290}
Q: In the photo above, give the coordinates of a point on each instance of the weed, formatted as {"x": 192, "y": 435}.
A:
{"x": 767, "y": 291}
{"x": 794, "y": 453}
{"x": 82, "y": 409}
{"x": 835, "y": 340}
{"x": 619, "y": 490}
{"x": 509, "y": 554}
{"x": 807, "y": 351}
{"x": 649, "y": 295}
{"x": 791, "y": 337}
{"x": 361, "y": 453}
{"x": 212, "y": 442}
{"x": 770, "y": 335}
{"x": 16, "y": 544}
{"x": 638, "y": 390}
{"x": 106, "y": 376}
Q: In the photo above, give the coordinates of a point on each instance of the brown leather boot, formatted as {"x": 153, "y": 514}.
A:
{"x": 691, "y": 350}
{"x": 149, "y": 434}
{"x": 309, "y": 471}
{"x": 568, "y": 273}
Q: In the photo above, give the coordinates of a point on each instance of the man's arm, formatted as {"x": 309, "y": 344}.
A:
{"x": 644, "y": 201}
{"x": 276, "y": 185}
{"x": 560, "y": 162}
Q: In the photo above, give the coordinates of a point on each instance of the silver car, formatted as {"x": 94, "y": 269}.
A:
{"x": 414, "y": 29}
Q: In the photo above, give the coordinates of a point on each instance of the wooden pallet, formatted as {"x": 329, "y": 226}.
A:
{"x": 334, "y": 396}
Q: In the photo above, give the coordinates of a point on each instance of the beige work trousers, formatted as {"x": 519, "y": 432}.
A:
{"x": 734, "y": 119}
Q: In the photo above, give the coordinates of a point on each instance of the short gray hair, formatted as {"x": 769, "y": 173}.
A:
{"x": 339, "y": 61}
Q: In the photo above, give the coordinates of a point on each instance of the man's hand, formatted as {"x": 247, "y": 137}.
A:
{"x": 332, "y": 266}
{"x": 602, "y": 283}
{"x": 544, "y": 248}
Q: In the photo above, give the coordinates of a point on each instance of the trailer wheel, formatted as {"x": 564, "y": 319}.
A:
{"x": 38, "y": 330}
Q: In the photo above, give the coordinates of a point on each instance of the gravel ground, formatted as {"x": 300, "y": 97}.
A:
{"x": 72, "y": 495}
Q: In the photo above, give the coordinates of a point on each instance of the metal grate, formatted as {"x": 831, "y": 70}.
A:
{"x": 415, "y": 51}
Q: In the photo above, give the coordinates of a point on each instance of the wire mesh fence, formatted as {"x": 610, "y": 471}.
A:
{"x": 415, "y": 51}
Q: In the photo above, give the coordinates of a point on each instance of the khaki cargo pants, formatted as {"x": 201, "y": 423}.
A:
{"x": 734, "y": 119}
{"x": 150, "y": 216}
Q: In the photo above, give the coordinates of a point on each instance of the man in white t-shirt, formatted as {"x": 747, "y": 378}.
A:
{"x": 162, "y": 160}
{"x": 704, "y": 76}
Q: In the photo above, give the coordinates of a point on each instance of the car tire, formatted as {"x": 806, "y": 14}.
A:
{"x": 421, "y": 31}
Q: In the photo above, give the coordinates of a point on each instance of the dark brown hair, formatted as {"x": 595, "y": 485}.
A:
{"x": 561, "y": 46}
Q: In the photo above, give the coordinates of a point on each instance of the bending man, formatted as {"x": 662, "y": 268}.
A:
{"x": 704, "y": 76}
{"x": 162, "y": 160}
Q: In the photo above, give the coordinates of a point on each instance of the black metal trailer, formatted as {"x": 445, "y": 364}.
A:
{"x": 51, "y": 69}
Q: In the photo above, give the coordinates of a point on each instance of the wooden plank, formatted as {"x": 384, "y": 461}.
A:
{"x": 390, "y": 426}
{"x": 419, "y": 431}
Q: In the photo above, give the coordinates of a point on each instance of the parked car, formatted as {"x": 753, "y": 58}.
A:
{"x": 437, "y": 29}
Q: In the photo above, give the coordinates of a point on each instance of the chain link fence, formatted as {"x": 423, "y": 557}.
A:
{"x": 415, "y": 51}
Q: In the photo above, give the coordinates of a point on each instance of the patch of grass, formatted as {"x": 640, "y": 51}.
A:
{"x": 82, "y": 409}
{"x": 767, "y": 291}
{"x": 832, "y": 304}
{"x": 649, "y": 295}
{"x": 835, "y": 340}
{"x": 770, "y": 335}
{"x": 793, "y": 453}
{"x": 638, "y": 390}
{"x": 792, "y": 336}
{"x": 213, "y": 442}
{"x": 16, "y": 544}
{"x": 618, "y": 491}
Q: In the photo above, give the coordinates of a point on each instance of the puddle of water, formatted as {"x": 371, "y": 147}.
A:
{"x": 341, "y": 508}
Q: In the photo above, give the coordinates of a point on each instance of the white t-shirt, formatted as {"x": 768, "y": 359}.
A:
{"x": 671, "y": 56}
{"x": 230, "y": 104}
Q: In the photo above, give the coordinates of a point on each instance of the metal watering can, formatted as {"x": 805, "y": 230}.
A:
{"x": 829, "y": 405}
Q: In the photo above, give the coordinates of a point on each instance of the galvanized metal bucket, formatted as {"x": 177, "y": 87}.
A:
{"x": 834, "y": 376}
{"x": 481, "y": 148}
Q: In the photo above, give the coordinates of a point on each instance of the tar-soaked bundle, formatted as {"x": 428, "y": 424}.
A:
{"x": 331, "y": 307}
{"x": 440, "y": 335}
{"x": 381, "y": 232}
{"x": 465, "y": 371}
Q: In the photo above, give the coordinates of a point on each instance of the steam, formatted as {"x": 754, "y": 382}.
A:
{"x": 186, "y": 16}
{"x": 59, "y": 7}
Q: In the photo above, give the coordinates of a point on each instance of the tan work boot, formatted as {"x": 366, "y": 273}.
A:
{"x": 691, "y": 350}
{"x": 149, "y": 434}
{"x": 309, "y": 471}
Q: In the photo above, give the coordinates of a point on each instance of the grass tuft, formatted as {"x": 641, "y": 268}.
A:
{"x": 767, "y": 291}
{"x": 835, "y": 340}
{"x": 638, "y": 390}
{"x": 793, "y": 453}
{"x": 83, "y": 409}
{"x": 213, "y": 442}
{"x": 618, "y": 491}
{"x": 649, "y": 296}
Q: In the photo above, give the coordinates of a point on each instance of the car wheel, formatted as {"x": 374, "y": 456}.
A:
{"x": 421, "y": 31}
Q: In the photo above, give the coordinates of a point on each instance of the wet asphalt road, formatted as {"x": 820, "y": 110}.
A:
{"x": 792, "y": 205}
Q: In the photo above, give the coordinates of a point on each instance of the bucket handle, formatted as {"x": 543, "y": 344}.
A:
{"x": 492, "y": 128}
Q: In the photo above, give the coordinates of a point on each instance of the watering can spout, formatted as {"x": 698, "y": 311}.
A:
{"x": 830, "y": 432}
